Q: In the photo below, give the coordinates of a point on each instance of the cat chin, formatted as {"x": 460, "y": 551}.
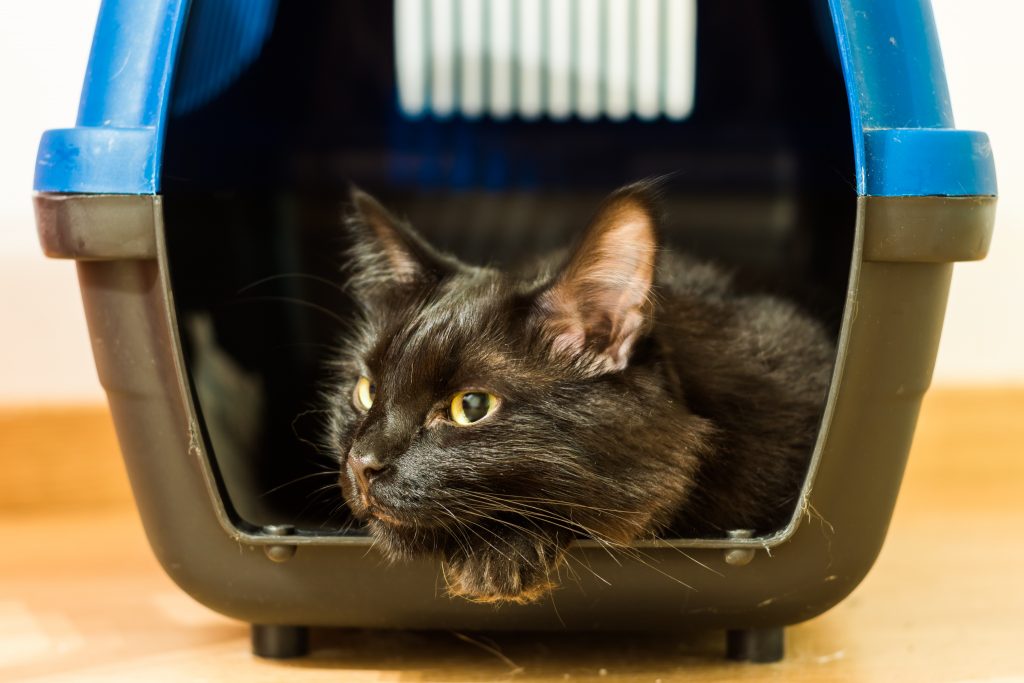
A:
{"x": 371, "y": 513}
{"x": 402, "y": 542}
{"x": 386, "y": 518}
{"x": 399, "y": 537}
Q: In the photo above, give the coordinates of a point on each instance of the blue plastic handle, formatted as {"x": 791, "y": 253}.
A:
{"x": 903, "y": 135}
{"x": 117, "y": 144}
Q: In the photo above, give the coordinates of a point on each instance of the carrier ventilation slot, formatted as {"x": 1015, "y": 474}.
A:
{"x": 555, "y": 58}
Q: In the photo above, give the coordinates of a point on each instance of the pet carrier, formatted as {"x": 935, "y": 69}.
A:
{"x": 810, "y": 143}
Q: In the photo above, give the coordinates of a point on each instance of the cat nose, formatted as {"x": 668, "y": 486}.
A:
{"x": 366, "y": 467}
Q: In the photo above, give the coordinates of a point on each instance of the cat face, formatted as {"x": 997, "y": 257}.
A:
{"x": 491, "y": 418}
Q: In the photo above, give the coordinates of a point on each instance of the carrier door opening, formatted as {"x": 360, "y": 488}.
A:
{"x": 755, "y": 147}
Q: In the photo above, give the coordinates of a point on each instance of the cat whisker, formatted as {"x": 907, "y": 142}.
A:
{"x": 295, "y": 481}
{"x": 465, "y": 546}
{"x": 541, "y": 538}
{"x": 527, "y": 510}
{"x": 566, "y": 503}
{"x": 373, "y": 544}
{"x": 513, "y": 500}
{"x": 691, "y": 558}
{"x": 567, "y": 555}
{"x": 554, "y": 605}
{"x": 603, "y": 541}
{"x": 294, "y": 300}
{"x": 530, "y": 534}
{"x": 297, "y": 276}
{"x": 302, "y": 439}
{"x": 347, "y": 527}
{"x": 325, "y": 487}
{"x": 469, "y": 527}
{"x": 334, "y": 511}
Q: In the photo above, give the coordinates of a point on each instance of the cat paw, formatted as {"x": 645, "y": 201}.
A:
{"x": 514, "y": 571}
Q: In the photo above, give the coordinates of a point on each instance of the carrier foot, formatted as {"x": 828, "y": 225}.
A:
{"x": 280, "y": 642}
{"x": 760, "y": 645}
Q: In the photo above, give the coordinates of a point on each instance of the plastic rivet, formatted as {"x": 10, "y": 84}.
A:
{"x": 738, "y": 557}
{"x": 279, "y": 552}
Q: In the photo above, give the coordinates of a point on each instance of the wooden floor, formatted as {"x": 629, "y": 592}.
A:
{"x": 945, "y": 601}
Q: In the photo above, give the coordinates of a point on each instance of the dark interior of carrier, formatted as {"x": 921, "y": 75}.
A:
{"x": 255, "y": 177}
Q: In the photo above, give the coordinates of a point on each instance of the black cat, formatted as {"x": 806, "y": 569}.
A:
{"x": 616, "y": 392}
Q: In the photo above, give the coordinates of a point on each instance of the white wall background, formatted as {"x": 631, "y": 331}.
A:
{"x": 983, "y": 339}
{"x": 44, "y": 347}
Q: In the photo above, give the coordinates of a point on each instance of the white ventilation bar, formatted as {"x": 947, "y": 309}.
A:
{"x": 555, "y": 58}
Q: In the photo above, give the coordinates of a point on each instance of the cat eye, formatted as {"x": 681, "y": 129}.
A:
{"x": 468, "y": 407}
{"x": 364, "y": 393}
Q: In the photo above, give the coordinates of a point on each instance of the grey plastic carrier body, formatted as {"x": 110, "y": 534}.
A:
{"x": 216, "y": 139}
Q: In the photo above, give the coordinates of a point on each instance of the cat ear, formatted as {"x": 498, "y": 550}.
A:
{"x": 600, "y": 302}
{"x": 385, "y": 251}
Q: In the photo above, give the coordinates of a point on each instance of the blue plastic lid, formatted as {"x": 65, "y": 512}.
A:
{"x": 903, "y": 135}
